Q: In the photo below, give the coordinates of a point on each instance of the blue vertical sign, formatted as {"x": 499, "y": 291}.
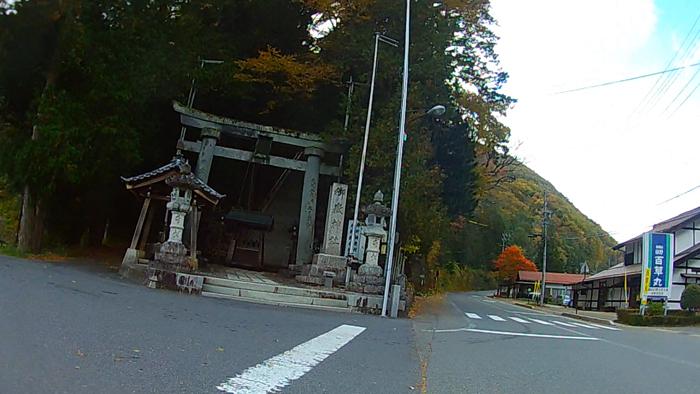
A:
{"x": 657, "y": 265}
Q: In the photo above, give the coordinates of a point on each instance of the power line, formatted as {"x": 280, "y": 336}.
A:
{"x": 681, "y": 91}
{"x": 628, "y": 79}
{"x": 685, "y": 99}
{"x": 650, "y": 95}
{"x": 679, "y": 195}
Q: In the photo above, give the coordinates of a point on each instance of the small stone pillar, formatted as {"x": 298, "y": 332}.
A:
{"x": 307, "y": 216}
{"x": 206, "y": 154}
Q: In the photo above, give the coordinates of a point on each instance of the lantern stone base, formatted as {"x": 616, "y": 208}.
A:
{"x": 370, "y": 270}
{"x": 368, "y": 284}
{"x": 172, "y": 256}
{"x": 323, "y": 262}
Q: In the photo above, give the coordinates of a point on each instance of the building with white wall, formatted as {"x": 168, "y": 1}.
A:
{"x": 606, "y": 289}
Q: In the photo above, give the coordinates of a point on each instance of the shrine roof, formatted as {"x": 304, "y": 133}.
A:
{"x": 154, "y": 181}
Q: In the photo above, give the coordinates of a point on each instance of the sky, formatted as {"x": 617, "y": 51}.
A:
{"x": 617, "y": 152}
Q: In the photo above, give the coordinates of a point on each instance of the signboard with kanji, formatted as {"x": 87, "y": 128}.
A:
{"x": 657, "y": 266}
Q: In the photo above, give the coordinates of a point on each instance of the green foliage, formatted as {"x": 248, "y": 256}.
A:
{"x": 690, "y": 299}
{"x": 655, "y": 309}
{"x": 9, "y": 214}
{"x": 514, "y": 209}
{"x": 454, "y": 277}
{"x": 674, "y": 318}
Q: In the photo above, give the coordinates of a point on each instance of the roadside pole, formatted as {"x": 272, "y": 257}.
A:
{"x": 545, "y": 222}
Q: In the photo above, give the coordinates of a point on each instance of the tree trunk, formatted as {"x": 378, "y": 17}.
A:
{"x": 31, "y": 225}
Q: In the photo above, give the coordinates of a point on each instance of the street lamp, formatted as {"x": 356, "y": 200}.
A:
{"x": 399, "y": 158}
{"x": 435, "y": 111}
{"x": 377, "y": 38}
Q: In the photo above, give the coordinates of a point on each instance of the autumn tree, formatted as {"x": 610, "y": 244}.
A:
{"x": 510, "y": 261}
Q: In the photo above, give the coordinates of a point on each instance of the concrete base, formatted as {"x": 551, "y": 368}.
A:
{"x": 134, "y": 272}
{"x": 324, "y": 263}
{"x": 365, "y": 288}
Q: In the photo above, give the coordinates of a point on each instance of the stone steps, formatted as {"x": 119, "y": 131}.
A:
{"x": 289, "y": 304}
{"x": 273, "y": 294}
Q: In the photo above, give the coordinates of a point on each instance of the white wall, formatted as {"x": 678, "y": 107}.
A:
{"x": 683, "y": 239}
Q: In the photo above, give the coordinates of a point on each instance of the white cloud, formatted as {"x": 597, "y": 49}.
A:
{"x": 615, "y": 166}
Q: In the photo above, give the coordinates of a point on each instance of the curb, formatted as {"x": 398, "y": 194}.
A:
{"x": 523, "y": 305}
{"x": 589, "y": 319}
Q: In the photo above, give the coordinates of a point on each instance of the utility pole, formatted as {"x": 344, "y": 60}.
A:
{"x": 399, "y": 160}
{"x": 545, "y": 222}
{"x": 505, "y": 238}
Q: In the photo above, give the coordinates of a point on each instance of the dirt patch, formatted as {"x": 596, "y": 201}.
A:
{"x": 423, "y": 304}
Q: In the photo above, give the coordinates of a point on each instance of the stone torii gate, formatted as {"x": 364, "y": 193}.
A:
{"x": 314, "y": 149}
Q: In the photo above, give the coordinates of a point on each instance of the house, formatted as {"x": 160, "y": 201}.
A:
{"x": 557, "y": 284}
{"x": 619, "y": 286}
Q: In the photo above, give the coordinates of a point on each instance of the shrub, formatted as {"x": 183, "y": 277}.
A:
{"x": 674, "y": 318}
{"x": 655, "y": 309}
{"x": 690, "y": 299}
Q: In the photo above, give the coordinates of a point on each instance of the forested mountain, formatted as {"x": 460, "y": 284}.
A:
{"x": 511, "y": 214}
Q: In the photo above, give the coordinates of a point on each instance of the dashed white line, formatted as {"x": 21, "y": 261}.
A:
{"x": 496, "y": 318}
{"x": 603, "y": 327}
{"x": 472, "y": 315}
{"x": 561, "y": 323}
{"x": 546, "y": 323}
{"x": 525, "y": 334}
{"x": 519, "y": 320}
{"x": 585, "y": 325}
{"x": 277, "y": 372}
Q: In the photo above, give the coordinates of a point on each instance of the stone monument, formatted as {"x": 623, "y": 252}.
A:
{"x": 330, "y": 259}
{"x": 369, "y": 278}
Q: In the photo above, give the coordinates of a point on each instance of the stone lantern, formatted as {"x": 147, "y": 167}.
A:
{"x": 369, "y": 278}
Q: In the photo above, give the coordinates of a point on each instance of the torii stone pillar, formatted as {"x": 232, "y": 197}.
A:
{"x": 307, "y": 216}
{"x": 206, "y": 155}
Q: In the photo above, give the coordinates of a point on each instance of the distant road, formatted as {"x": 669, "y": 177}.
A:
{"x": 475, "y": 344}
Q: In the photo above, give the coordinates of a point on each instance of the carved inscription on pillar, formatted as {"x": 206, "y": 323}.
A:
{"x": 333, "y": 236}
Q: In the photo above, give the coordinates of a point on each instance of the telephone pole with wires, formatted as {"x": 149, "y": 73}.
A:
{"x": 546, "y": 215}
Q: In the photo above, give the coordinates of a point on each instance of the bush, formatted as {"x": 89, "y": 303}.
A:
{"x": 690, "y": 299}
{"x": 655, "y": 309}
{"x": 455, "y": 277}
{"x": 674, "y": 318}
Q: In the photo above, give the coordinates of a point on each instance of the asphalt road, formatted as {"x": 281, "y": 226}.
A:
{"x": 69, "y": 328}
{"x": 473, "y": 344}
{"x": 75, "y": 329}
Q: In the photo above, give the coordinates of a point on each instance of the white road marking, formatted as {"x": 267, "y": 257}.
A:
{"x": 496, "y": 318}
{"x": 603, "y": 327}
{"x": 485, "y": 300}
{"x": 585, "y": 325}
{"x": 546, "y": 323}
{"x": 472, "y": 315}
{"x": 519, "y": 320}
{"x": 561, "y": 323}
{"x": 277, "y": 372}
{"x": 516, "y": 334}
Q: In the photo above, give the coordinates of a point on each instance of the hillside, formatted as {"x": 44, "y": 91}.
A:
{"x": 512, "y": 214}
